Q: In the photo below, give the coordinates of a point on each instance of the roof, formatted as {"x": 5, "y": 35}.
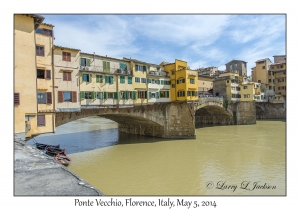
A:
{"x": 101, "y": 56}
{"x": 137, "y": 61}
{"x": 279, "y": 55}
{"x": 274, "y": 64}
{"x": 47, "y": 24}
{"x": 236, "y": 60}
{"x": 263, "y": 60}
{"x": 56, "y": 46}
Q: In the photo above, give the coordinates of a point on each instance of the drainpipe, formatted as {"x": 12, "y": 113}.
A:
{"x": 53, "y": 78}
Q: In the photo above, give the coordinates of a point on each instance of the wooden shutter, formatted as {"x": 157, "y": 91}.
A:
{"x": 74, "y": 97}
{"x": 115, "y": 95}
{"x": 69, "y": 76}
{"x": 49, "y": 98}
{"x": 82, "y": 95}
{"x": 63, "y": 56}
{"x": 41, "y": 120}
{"x": 48, "y": 74}
{"x": 16, "y": 98}
{"x": 60, "y": 96}
{"x": 88, "y": 62}
{"x": 65, "y": 76}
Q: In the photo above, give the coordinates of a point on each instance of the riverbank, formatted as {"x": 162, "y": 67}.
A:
{"x": 38, "y": 174}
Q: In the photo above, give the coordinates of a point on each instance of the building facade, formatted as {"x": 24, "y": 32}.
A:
{"x": 260, "y": 72}
{"x": 237, "y": 66}
{"x": 25, "y": 75}
{"x": 66, "y": 81}
{"x": 205, "y": 84}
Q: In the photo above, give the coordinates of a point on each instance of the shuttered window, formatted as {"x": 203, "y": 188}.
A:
{"x": 66, "y": 56}
{"x": 40, "y": 50}
{"x": 48, "y": 74}
{"x": 60, "y": 96}
{"x": 41, "y": 121}
{"x": 49, "y": 98}
{"x": 16, "y": 98}
{"x": 74, "y": 96}
{"x": 67, "y": 76}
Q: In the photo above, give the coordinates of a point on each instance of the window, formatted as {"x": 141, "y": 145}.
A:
{"x": 173, "y": 72}
{"x": 231, "y": 67}
{"x": 246, "y": 95}
{"x": 109, "y": 79}
{"x": 129, "y": 80}
{"x": 144, "y": 80}
{"x": 67, "y": 96}
{"x": 44, "y": 31}
{"x": 99, "y": 95}
{"x": 85, "y": 62}
{"x": 106, "y": 66}
{"x": 181, "y": 93}
{"x": 227, "y": 81}
{"x": 123, "y": 66}
{"x": 88, "y": 95}
{"x": 16, "y": 98}
{"x": 41, "y": 120}
{"x": 122, "y": 95}
{"x": 40, "y": 51}
{"x": 235, "y": 64}
{"x": 122, "y": 79}
{"x": 66, "y": 56}
{"x": 110, "y": 95}
{"x": 272, "y": 67}
{"x": 180, "y": 81}
{"x": 192, "y": 81}
{"x": 238, "y": 88}
{"x": 67, "y": 76}
{"x": 140, "y": 68}
{"x": 149, "y": 81}
{"x": 41, "y": 98}
{"x": 164, "y": 94}
{"x": 142, "y": 94}
{"x": 263, "y": 67}
{"x": 86, "y": 77}
{"x": 259, "y": 81}
{"x": 157, "y": 82}
{"x": 245, "y": 87}
{"x": 152, "y": 95}
{"x": 281, "y": 80}
{"x": 137, "y": 79}
{"x": 40, "y": 74}
{"x": 99, "y": 79}
{"x": 173, "y": 85}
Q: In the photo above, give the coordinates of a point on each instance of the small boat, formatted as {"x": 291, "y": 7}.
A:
{"x": 53, "y": 151}
{"x": 62, "y": 159}
{"x": 43, "y": 146}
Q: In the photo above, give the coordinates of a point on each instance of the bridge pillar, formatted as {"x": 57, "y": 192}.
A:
{"x": 245, "y": 113}
{"x": 179, "y": 120}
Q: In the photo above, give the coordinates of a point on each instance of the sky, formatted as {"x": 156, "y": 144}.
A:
{"x": 201, "y": 40}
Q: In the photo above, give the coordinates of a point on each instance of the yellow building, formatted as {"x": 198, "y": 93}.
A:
{"x": 184, "y": 82}
{"x": 25, "y": 81}
{"x": 205, "y": 83}
{"x": 66, "y": 71}
{"x": 227, "y": 86}
{"x": 247, "y": 91}
{"x": 260, "y": 72}
{"x": 277, "y": 78}
{"x": 45, "y": 79}
{"x": 139, "y": 81}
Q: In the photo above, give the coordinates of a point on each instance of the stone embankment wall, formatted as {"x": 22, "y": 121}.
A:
{"x": 270, "y": 110}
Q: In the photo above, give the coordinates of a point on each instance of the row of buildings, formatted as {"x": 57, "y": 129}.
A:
{"x": 267, "y": 82}
{"x": 50, "y": 79}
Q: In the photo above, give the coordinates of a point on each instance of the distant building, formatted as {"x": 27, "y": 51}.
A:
{"x": 260, "y": 72}
{"x": 205, "y": 85}
{"x": 237, "y": 66}
{"x": 209, "y": 71}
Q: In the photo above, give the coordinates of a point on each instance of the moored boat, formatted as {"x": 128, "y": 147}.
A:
{"x": 62, "y": 159}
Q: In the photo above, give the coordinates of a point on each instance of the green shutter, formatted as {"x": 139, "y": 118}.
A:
{"x": 115, "y": 95}
{"x": 106, "y": 79}
{"x": 134, "y": 95}
{"x": 79, "y": 61}
{"x": 104, "y": 66}
{"x": 82, "y": 77}
{"x": 167, "y": 94}
{"x": 82, "y": 95}
{"x": 126, "y": 95}
{"x": 157, "y": 94}
{"x": 129, "y": 80}
{"x": 108, "y": 66}
{"x": 112, "y": 80}
{"x": 149, "y": 95}
{"x": 90, "y": 77}
{"x": 105, "y": 95}
{"x": 88, "y": 62}
{"x": 98, "y": 78}
{"x": 94, "y": 95}
{"x": 149, "y": 80}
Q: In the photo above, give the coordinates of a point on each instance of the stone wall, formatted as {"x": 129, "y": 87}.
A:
{"x": 266, "y": 110}
{"x": 245, "y": 113}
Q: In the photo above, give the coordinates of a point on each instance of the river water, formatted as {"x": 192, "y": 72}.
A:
{"x": 222, "y": 160}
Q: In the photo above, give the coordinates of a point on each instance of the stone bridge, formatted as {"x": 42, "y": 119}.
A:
{"x": 166, "y": 120}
